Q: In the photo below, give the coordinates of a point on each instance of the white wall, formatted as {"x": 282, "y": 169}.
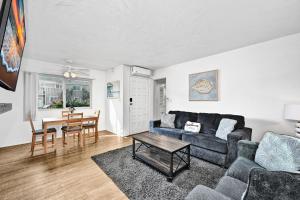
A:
{"x": 15, "y": 131}
{"x": 255, "y": 81}
{"x": 114, "y": 107}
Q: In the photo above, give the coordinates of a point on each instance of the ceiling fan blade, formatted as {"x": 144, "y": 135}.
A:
{"x": 83, "y": 73}
{"x": 80, "y": 72}
{"x": 80, "y": 69}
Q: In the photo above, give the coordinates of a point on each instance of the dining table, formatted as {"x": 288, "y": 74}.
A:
{"x": 59, "y": 121}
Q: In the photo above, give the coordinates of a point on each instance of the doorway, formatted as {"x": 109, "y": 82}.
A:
{"x": 160, "y": 98}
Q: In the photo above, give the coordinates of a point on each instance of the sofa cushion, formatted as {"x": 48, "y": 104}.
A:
{"x": 208, "y": 122}
{"x": 193, "y": 127}
{"x": 201, "y": 192}
{"x": 231, "y": 187}
{"x": 240, "y": 120}
{"x": 167, "y": 120}
{"x": 182, "y": 117}
{"x": 279, "y": 152}
{"x": 226, "y": 126}
{"x": 240, "y": 169}
{"x": 275, "y": 185}
{"x": 206, "y": 141}
{"x": 170, "y": 132}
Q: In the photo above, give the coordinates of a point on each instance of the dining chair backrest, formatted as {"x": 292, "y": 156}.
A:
{"x": 31, "y": 124}
{"x": 65, "y": 113}
{"x": 75, "y": 115}
{"x": 75, "y": 120}
{"x": 98, "y": 114}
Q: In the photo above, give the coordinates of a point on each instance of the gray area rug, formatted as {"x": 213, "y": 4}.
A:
{"x": 138, "y": 181}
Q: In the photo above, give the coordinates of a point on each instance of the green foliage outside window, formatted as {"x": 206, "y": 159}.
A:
{"x": 57, "y": 104}
{"x": 77, "y": 96}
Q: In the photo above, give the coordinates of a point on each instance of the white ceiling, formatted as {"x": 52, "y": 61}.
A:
{"x": 151, "y": 33}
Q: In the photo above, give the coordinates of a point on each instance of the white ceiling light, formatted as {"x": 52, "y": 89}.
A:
{"x": 69, "y": 71}
{"x": 73, "y": 75}
{"x": 67, "y": 74}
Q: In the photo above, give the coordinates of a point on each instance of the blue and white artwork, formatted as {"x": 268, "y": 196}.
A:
{"x": 113, "y": 90}
{"x": 203, "y": 86}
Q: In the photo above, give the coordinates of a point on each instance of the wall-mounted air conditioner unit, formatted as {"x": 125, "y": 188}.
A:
{"x": 139, "y": 71}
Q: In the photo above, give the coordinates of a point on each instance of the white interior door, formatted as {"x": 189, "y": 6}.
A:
{"x": 139, "y": 88}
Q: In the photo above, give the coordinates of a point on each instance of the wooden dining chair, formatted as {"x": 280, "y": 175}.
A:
{"x": 40, "y": 133}
{"x": 92, "y": 124}
{"x": 74, "y": 126}
{"x": 65, "y": 113}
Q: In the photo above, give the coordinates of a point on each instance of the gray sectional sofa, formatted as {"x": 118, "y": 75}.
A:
{"x": 206, "y": 145}
{"x": 247, "y": 180}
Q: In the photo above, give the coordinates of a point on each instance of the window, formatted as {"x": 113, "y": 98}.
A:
{"x": 50, "y": 93}
{"x": 58, "y": 92}
{"x": 77, "y": 93}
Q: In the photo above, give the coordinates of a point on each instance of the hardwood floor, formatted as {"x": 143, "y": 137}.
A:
{"x": 69, "y": 173}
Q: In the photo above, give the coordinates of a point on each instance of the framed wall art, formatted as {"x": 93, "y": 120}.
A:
{"x": 204, "y": 86}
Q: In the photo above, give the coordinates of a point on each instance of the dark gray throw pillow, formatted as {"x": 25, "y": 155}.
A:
{"x": 167, "y": 121}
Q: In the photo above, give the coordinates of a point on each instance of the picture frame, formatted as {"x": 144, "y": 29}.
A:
{"x": 204, "y": 86}
{"x": 113, "y": 90}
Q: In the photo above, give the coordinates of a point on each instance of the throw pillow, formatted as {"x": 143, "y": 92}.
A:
{"x": 167, "y": 121}
{"x": 193, "y": 127}
{"x": 279, "y": 152}
{"x": 226, "y": 126}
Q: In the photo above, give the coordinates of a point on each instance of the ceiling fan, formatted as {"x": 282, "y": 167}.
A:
{"x": 69, "y": 71}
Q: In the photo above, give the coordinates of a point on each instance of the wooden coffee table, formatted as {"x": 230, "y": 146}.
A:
{"x": 165, "y": 154}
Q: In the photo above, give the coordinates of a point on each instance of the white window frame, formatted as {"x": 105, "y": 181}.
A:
{"x": 64, "y": 92}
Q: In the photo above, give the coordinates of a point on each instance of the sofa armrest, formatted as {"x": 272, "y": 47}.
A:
{"x": 154, "y": 124}
{"x": 265, "y": 185}
{"x": 247, "y": 149}
{"x": 232, "y": 143}
{"x": 201, "y": 192}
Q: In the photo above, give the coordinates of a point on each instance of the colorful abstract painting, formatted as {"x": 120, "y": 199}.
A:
{"x": 203, "y": 86}
{"x": 13, "y": 45}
